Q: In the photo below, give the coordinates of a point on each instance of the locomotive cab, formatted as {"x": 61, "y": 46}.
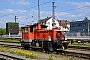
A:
{"x": 29, "y": 35}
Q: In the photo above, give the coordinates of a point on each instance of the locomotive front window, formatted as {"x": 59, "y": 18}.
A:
{"x": 25, "y": 30}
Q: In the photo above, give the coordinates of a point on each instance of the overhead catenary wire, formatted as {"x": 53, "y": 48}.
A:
{"x": 27, "y": 8}
{"x": 74, "y": 9}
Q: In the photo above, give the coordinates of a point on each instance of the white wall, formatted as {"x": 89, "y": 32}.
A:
{"x": 49, "y": 24}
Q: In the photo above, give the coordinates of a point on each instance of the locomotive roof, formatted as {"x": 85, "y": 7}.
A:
{"x": 24, "y": 26}
{"x": 42, "y": 26}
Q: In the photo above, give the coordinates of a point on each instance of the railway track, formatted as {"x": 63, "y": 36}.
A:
{"x": 6, "y": 56}
{"x": 11, "y": 45}
{"x": 73, "y": 53}
{"x": 19, "y": 45}
{"x": 79, "y": 47}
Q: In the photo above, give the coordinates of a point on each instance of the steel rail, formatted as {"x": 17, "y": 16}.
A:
{"x": 11, "y": 56}
{"x": 75, "y": 54}
{"x": 79, "y": 47}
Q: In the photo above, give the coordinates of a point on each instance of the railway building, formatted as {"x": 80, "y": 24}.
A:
{"x": 80, "y": 26}
{"x": 12, "y": 28}
{"x": 49, "y": 22}
{"x": 59, "y": 23}
{"x": 65, "y": 24}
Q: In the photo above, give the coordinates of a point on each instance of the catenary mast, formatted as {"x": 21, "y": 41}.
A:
{"x": 38, "y": 10}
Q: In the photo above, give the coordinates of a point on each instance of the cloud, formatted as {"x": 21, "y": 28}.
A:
{"x": 1, "y": 22}
{"x": 25, "y": 16}
{"x": 8, "y": 11}
{"x": 21, "y": 2}
{"x": 58, "y": 15}
{"x": 69, "y": 16}
{"x": 22, "y": 18}
{"x": 81, "y": 4}
{"x": 78, "y": 6}
{"x": 43, "y": 14}
{"x": 77, "y": 15}
{"x": 78, "y": 10}
{"x": 4, "y": 20}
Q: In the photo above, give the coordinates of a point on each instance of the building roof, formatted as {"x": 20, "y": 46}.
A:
{"x": 82, "y": 21}
{"x": 43, "y": 21}
{"x": 63, "y": 23}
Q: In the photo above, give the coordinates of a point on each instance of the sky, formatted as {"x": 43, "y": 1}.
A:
{"x": 27, "y": 10}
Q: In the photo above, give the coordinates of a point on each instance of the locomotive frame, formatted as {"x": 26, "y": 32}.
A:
{"x": 37, "y": 36}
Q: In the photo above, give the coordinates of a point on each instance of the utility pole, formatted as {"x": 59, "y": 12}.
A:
{"x": 38, "y": 10}
{"x": 15, "y": 18}
{"x": 88, "y": 27}
{"x": 53, "y": 14}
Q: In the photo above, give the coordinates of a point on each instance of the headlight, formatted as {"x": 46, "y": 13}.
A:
{"x": 49, "y": 38}
{"x": 65, "y": 38}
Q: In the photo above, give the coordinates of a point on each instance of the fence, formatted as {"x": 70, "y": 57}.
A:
{"x": 77, "y": 34}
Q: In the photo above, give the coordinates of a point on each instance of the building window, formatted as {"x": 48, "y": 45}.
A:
{"x": 79, "y": 24}
{"x": 74, "y": 25}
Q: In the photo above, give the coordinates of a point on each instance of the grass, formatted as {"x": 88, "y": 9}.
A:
{"x": 21, "y": 52}
{"x": 10, "y": 40}
{"x": 80, "y": 44}
{"x": 50, "y": 57}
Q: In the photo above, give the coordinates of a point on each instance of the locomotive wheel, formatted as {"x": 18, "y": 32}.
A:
{"x": 50, "y": 46}
{"x": 65, "y": 46}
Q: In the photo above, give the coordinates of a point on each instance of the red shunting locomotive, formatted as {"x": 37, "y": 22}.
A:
{"x": 37, "y": 36}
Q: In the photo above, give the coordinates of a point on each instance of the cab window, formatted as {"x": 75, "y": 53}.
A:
{"x": 25, "y": 30}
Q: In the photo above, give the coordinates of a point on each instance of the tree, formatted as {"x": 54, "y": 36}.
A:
{"x": 85, "y": 18}
{"x": 2, "y": 31}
